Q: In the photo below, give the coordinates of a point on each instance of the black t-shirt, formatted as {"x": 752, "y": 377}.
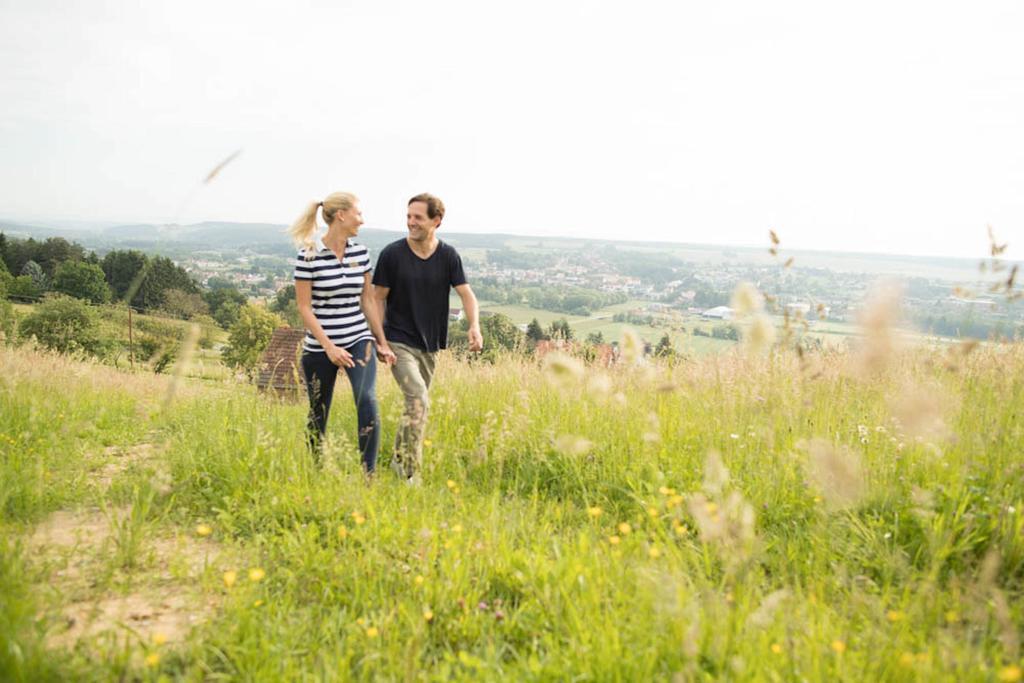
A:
{"x": 417, "y": 310}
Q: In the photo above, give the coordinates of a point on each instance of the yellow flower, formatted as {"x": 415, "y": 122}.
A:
{"x": 159, "y": 638}
{"x": 653, "y": 552}
{"x": 361, "y": 622}
{"x": 230, "y": 577}
{"x": 451, "y": 483}
{"x": 256, "y": 574}
{"x": 1010, "y": 674}
{"x": 457, "y": 529}
{"x": 817, "y": 499}
{"x": 257, "y": 603}
{"x": 952, "y": 616}
{"x": 342, "y": 533}
{"x": 666, "y": 491}
{"x": 674, "y": 501}
{"x": 776, "y": 648}
{"x": 594, "y": 512}
{"x": 372, "y": 632}
{"x": 614, "y": 540}
{"x": 839, "y": 646}
{"x": 625, "y": 528}
{"x": 428, "y": 615}
{"x": 203, "y": 530}
{"x": 428, "y": 443}
{"x": 653, "y": 512}
{"x": 152, "y": 659}
{"x": 907, "y": 659}
{"x": 358, "y": 518}
{"x": 894, "y": 615}
{"x": 711, "y": 508}
{"x": 447, "y": 545}
{"x": 419, "y": 580}
{"x": 680, "y": 529}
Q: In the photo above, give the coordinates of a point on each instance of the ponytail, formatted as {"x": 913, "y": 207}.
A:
{"x": 303, "y": 229}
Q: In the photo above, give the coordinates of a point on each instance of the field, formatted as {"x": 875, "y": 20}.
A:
{"x": 731, "y": 517}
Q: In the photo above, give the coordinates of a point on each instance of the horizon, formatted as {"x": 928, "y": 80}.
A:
{"x": 98, "y": 226}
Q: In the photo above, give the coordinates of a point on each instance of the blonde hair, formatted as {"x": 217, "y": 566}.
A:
{"x": 303, "y": 229}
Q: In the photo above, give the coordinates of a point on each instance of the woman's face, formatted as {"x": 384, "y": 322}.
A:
{"x": 350, "y": 219}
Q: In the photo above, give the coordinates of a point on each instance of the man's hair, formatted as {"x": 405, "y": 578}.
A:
{"x": 435, "y": 207}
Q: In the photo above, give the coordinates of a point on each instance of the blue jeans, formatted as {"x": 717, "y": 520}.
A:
{"x": 321, "y": 374}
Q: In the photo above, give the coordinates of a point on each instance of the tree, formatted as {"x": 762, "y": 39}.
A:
{"x": 63, "y": 324}
{"x": 560, "y": 330}
{"x": 500, "y": 332}
{"x": 595, "y": 338}
{"x": 24, "y": 289}
{"x": 664, "y": 349}
{"x": 219, "y": 298}
{"x": 163, "y": 275}
{"x": 534, "y": 332}
{"x": 56, "y": 250}
{"x": 284, "y": 305}
{"x": 249, "y": 338}
{"x": 35, "y": 271}
{"x": 179, "y": 304}
{"x": 5, "y": 275}
{"x": 122, "y": 268}
{"x": 82, "y": 281}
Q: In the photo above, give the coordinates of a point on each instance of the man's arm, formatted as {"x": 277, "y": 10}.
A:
{"x": 376, "y": 302}
{"x": 476, "y": 339}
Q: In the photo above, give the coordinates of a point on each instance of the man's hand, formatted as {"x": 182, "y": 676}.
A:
{"x": 476, "y": 340}
{"x": 340, "y": 357}
{"x": 386, "y": 355}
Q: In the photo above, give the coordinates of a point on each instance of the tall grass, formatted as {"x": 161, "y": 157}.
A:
{"x": 567, "y": 526}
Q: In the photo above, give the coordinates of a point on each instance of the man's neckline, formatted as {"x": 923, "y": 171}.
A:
{"x": 428, "y": 256}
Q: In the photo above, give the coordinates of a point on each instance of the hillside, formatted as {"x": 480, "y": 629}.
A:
{"x": 734, "y": 518}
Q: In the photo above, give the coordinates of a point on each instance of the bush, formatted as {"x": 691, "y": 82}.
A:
{"x": 249, "y": 338}
{"x": 7, "y": 318}
{"x": 82, "y": 281}
{"x": 65, "y": 325}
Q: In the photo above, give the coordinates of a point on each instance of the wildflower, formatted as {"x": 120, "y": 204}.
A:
{"x": 614, "y": 540}
{"x": 675, "y": 501}
{"x": 907, "y": 659}
{"x": 451, "y": 483}
{"x": 257, "y": 603}
{"x": 652, "y": 512}
{"x": 358, "y": 518}
{"x": 1010, "y": 674}
{"x": 256, "y": 574}
{"x": 746, "y": 299}
{"x": 203, "y": 530}
{"x": 428, "y": 443}
{"x": 361, "y": 621}
{"x": 631, "y": 346}
{"x": 230, "y": 577}
{"x": 419, "y": 580}
{"x": 952, "y": 616}
{"x": 571, "y": 444}
{"x": 894, "y": 615}
{"x": 654, "y": 553}
{"x": 482, "y": 606}
{"x": 734, "y": 436}
{"x": 625, "y": 528}
{"x": 152, "y": 659}
{"x": 372, "y": 632}
{"x": 839, "y": 646}
{"x": 594, "y": 512}
{"x": 159, "y": 638}
{"x": 680, "y": 529}
{"x": 562, "y": 369}
{"x": 776, "y": 648}
{"x": 342, "y": 533}
{"x": 499, "y": 615}
{"x": 838, "y": 473}
{"x": 428, "y": 616}
{"x": 666, "y": 491}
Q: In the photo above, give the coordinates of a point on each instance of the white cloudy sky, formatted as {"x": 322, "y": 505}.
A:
{"x": 869, "y": 126}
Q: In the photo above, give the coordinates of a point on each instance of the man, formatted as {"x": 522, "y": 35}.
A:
{"x": 413, "y": 277}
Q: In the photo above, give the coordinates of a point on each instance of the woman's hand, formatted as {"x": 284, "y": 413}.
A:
{"x": 340, "y": 357}
{"x": 385, "y": 354}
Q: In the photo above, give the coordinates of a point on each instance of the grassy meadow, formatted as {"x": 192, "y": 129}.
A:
{"x": 763, "y": 517}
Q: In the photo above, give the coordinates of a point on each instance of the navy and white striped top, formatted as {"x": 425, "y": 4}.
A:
{"x": 336, "y": 288}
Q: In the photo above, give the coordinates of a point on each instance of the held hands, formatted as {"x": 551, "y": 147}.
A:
{"x": 476, "y": 340}
{"x": 385, "y": 354}
{"x": 340, "y": 357}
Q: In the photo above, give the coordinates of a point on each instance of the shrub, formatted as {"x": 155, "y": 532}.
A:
{"x": 63, "y": 324}
{"x": 249, "y": 338}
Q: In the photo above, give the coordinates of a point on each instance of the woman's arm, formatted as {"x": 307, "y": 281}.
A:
{"x": 304, "y": 301}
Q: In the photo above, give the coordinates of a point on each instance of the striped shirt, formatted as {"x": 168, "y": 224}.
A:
{"x": 336, "y": 288}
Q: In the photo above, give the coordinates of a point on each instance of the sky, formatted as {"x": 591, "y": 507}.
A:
{"x": 893, "y": 127}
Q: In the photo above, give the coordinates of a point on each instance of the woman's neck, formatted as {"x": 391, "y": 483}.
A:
{"x": 335, "y": 239}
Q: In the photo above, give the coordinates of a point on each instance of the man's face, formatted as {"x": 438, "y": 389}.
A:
{"x": 421, "y": 226}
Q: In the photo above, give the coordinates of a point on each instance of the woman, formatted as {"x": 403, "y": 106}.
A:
{"x": 333, "y": 293}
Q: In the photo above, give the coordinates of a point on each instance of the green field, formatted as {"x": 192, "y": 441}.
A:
{"x": 862, "y": 522}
